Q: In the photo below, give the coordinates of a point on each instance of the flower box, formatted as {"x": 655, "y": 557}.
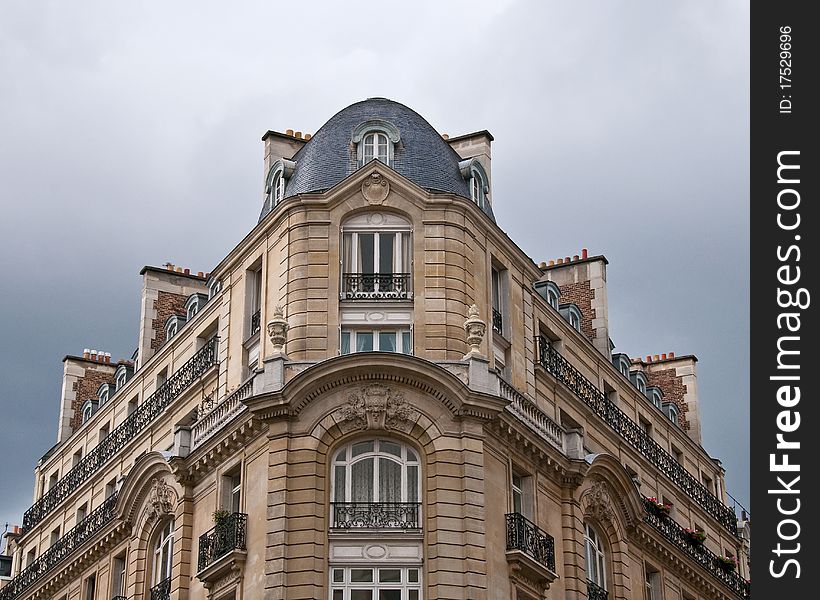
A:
{"x": 727, "y": 563}
{"x": 696, "y": 537}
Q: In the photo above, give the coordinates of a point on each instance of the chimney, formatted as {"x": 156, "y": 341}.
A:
{"x": 584, "y": 253}
{"x": 446, "y": 136}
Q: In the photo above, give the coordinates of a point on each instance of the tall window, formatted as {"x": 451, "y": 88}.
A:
{"x": 595, "y": 556}
{"x": 652, "y": 583}
{"x": 118, "y": 576}
{"x": 376, "y": 471}
{"x": 497, "y": 277}
{"x": 376, "y": 264}
{"x": 232, "y": 491}
{"x": 376, "y": 340}
{"x": 521, "y": 496}
{"x": 375, "y": 145}
{"x": 478, "y": 188}
{"x": 163, "y": 554}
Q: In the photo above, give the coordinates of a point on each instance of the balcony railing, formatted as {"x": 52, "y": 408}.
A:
{"x": 38, "y": 570}
{"x": 498, "y": 322}
{"x": 220, "y": 414}
{"x": 525, "y": 536}
{"x": 376, "y": 515}
{"x": 161, "y": 591}
{"x": 527, "y": 412}
{"x": 227, "y": 535}
{"x": 376, "y": 286}
{"x": 557, "y": 366}
{"x": 119, "y": 598}
{"x": 677, "y": 535}
{"x": 256, "y": 322}
{"x": 596, "y": 592}
{"x": 197, "y": 365}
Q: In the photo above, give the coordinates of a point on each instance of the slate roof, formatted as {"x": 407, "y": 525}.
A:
{"x": 422, "y": 155}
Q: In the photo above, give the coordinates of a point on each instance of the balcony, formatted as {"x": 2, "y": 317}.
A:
{"x": 161, "y": 591}
{"x": 84, "y": 531}
{"x": 144, "y": 415}
{"x": 528, "y": 413}
{"x": 376, "y": 286}
{"x": 530, "y": 554}
{"x": 596, "y": 592}
{"x": 217, "y": 416}
{"x": 677, "y": 536}
{"x": 557, "y": 366}
{"x": 222, "y": 547}
{"x": 376, "y": 515}
{"x": 256, "y": 322}
{"x": 498, "y": 322}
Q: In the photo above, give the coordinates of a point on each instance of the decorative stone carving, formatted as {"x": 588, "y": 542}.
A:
{"x": 475, "y": 329}
{"x": 162, "y": 500}
{"x": 278, "y": 331}
{"x": 376, "y": 407}
{"x": 375, "y": 188}
{"x": 598, "y": 503}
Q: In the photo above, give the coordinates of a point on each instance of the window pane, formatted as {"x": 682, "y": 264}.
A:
{"x": 361, "y": 594}
{"x": 361, "y": 448}
{"x": 364, "y": 341}
{"x": 362, "y": 483}
{"x": 338, "y": 594}
{"x": 387, "y": 341}
{"x": 339, "y": 484}
{"x": 361, "y": 575}
{"x": 406, "y": 344}
{"x": 405, "y": 252}
{"x": 389, "y": 575}
{"x": 389, "y": 480}
{"x": 345, "y": 342}
{"x": 413, "y": 575}
{"x": 389, "y": 594}
{"x": 390, "y": 448}
{"x": 412, "y": 484}
{"x": 413, "y": 595}
{"x": 517, "y": 501}
{"x": 411, "y": 456}
{"x": 338, "y": 575}
{"x": 386, "y": 243}
{"x": 366, "y": 251}
{"x": 347, "y": 253}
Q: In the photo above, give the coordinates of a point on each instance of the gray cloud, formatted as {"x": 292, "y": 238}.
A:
{"x": 130, "y": 136}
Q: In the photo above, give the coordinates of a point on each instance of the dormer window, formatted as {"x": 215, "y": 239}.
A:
{"x": 103, "y": 393}
{"x": 655, "y": 395}
{"x": 671, "y": 411}
{"x": 572, "y": 315}
{"x": 173, "y": 325}
{"x": 89, "y": 408}
{"x": 476, "y": 177}
{"x": 214, "y": 287}
{"x": 122, "y": 375}
{"x": 639, "y": 381}
{"x": 193, "y": 304}
{"x": 375, "y": 140}
{"x": 275, "y": 182}
{"x": 622, "y": 363}
{"x": 549, "y": 291}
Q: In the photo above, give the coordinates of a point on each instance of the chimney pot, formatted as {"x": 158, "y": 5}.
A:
{"x": 648, "y": 358}
{"x": 656, "y": 357}
{"x": 200, "y": 274}
{"x": 575, "y": 257}
{"x": 552, "y": 263}
{"x": 207, "y": 275}
{"x": 671, "y": 355}
{"x": 179, "y": 269}
{"x": 446, "y": 136}
{"x": 298, "y": 135}
{"x": 307, "y": 136}
{"x": 566, "y": 259}
{"x": 542, "y": 265}
{"x": 289, "y": 132}
{"x": 86, "y": 353}
{"x": 663, "y": 356}
{"x": 560, "y": 261}
{"x": 169, "y": 266}
{"x": 187, "y": 271}
{"x": 584, "y": 253}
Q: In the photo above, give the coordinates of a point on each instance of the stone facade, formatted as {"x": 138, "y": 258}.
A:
{"x": 221, "y": 481}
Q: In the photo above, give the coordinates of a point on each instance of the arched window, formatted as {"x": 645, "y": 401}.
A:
{"x": 671, "y": 411}
{"x": 103, "y": 393}
{"x": 376, "y": 146}
{"x": 596, "y": 558}
{"x": 478, "y": 188}
{"x": 275, "y": 183}
{"x": 173, "y": 325}
{"x": 639, "y": 381}
{"x": 162, "y": 557}
{"x": 572, "y": 314}
{"x": 375, "y": 140}
{"x": 655, "y": 395}
{"x": 89, "y": 408}
{"x": 376, "y": 471}
{"x": 549, "y": 291}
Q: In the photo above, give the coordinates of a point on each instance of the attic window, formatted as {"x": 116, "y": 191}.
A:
{"x": 89, "y": 408}
{"x": 572, "y": 315}
{"x": 276, "y": 180}
{"x": 655, "y": 395}
{"x": 477, "y": 180}
{"x": 122, "y": 377}
{"x": 375, "y": 140}
{"x": 193, "y": 304}
{"x": 173, "y": 325}
{"x": 639, "y": 381}
{"x": 671, "y": 411}
{"x": 103, "y": 393}
{"x": 549, "y": 291}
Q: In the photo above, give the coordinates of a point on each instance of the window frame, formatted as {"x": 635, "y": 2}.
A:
{"x": 595, "y": 555}
{"x": 377, "y": 454}
{"x": 162, "y": 562}
{"x": 353, "y": 332}
{"x": 345, "y": 585}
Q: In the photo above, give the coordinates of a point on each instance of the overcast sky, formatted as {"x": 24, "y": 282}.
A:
{"x": 130, "y": 135}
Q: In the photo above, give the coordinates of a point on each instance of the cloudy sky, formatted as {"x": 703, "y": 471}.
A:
{"x": 130, "y": 135}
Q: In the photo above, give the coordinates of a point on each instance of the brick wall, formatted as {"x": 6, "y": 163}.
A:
{"x": 85, "y": 388}
{"x": 165, "y": 305}
{"x": 673, "y": 389}
{"x": 582, "y": 294}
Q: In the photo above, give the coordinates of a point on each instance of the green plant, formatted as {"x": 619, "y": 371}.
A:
{"x": 220, "y": 515}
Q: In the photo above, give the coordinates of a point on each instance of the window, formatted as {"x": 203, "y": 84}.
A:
{"x": 76, "y": 458}
{"x": 571, "y": 314}
{"x": 549, "y": 291}
{"x": 89, "y": 406}
{"x": 391, "y": 583}
{"x": 707, "y": 482}
{"x": 677, "y": 454}
{"x": 376, "y": 471}
{"x": 121, "y": 376}
{"x": 54, "y": 537}
{"x": 31, "y": 556}
{"x": 638, "y": 379}
{"x": 376, "y": 146}
{"x": 521, "y": 494}
{"x": 670, "y": 409}
{"x": 478, "y": 185}
{"x": 105, "y": 431}
{"x": 82, "y": 511}
{"x": 376, "y": 340}
{"x": 655, "y": 395}
{"x": 595, "y": 556}
{"x": 214, "y": 287}
{"x": 376, "y": 264}
{"x": 375, "y": 140}
{"x": 173, "y": 325}
{"x": 194, "y": 303}
{"x": 111, "y": 487}
{"x": 279, "y": 173}
{"x": 103, "y": 393}
{"x": 253, "y": 300}
{"x": 622, "y": 363}
{"x": 498, "y": 281}
{"x": 645, "y": 425}
{"x": 53, "y": 479}
{"x": 118, "y": 576}
{"x": 91, "y": 587}
{"x": 652, "y": 583}
{"x": 232, "y": 491}
{"x": 163, "y": 554}
{"x": 132, "y": 405}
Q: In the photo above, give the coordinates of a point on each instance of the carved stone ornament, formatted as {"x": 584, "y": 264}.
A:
{"x": 598, "y": 503}
{"x": 376, "y": 407}
{"x": 475, "y": 329}
{"x": 278, "y": 331}
{"x": 162, "y": 499}
{"x": 375, "y": 188}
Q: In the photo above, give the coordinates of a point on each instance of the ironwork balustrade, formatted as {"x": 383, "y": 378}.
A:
{"x": 162, "y": 591}
{"x": 524, "y": 535}
{"x": 197, "y": 365}
{"x": 119, "y": 598}
{"x": 629, "y": 430}
{"x": 677, "y": 535}
{"x": 498, "y": 322}
{"x": 376, "y": 515}
{"x": 376, "y": 286}
{"x": 596, "y": 592}
{"x": 85, "y": 530}
{"x": 256, "y": 322}
{"x": 227, "y": 535}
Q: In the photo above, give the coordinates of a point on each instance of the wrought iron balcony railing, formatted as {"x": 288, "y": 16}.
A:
{"x": 256, "y": 322}
{"x": 677, "y": 535}
{"x": 376, "y": 515}
{"x": 524, "y": 535}
{"x": 376, "y": 286}
{"x": 119, "y": 598}
{"x": 557, "y": 366}
{"x": 227, "y": 535}
{"x": 498, "y": 322}
{"x": 197, "y": 365}
{"x": 85, "y": 530}
{"x": 216, "y": 416}
{"x": 162, "y": 591}
{"x": 533, "y": 416}
{"x": 596, "y": 592}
